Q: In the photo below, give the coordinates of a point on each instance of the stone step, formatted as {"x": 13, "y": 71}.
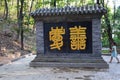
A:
{"x": 69, "y": 56}
{"x": 69, "y": 60}
{"x": 64, "y": 64}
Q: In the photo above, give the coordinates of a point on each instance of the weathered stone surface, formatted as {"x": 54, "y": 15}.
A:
{"x": 63, "y": 64}
{"x": 39, "y": 37}
{"x": 96, "y": 34}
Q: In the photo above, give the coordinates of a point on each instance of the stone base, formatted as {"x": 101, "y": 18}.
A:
{"x": 77, "y": 62}
{"x": 74, "y": 65}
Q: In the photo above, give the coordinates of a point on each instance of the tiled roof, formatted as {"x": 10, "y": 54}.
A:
{"x": 87, "y": 9}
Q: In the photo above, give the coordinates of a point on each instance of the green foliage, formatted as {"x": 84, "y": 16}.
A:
{"x": 105, "y": 23}
{"x": 38, "y": 5}
{"x": 26, "y": 30}
{"x": 117, "y": 14}
{"x": 117, "y": 26}
{"x": 105, "y": 51}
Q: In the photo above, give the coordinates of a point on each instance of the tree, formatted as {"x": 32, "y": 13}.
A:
{"x": 103, "y": 2}
{"x": 117, "y": 25}
{"x": 30, "y": 12}
{"x": 6, "y": 10}
{"x": 21, "y": 23}
{"x": 108, "y": 26}
{"x": 98, "y": 2}
{"x": 109, "y": 30}
{"x": 54, "y": 3}
{"x": 18, "y": 29}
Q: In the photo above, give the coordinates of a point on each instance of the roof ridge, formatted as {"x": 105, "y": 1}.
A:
{"x": 85, "y": 9}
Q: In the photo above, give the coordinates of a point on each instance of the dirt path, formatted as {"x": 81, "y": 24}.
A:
{"x": 20, "y": 70}
{"x": 4, "y": 60}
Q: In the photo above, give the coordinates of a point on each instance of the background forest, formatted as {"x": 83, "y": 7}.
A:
{"x": 17, "y": 30}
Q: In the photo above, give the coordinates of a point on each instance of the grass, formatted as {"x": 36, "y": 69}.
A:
{"x": 105, "y": 52}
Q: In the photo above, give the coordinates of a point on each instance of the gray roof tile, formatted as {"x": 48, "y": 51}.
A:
{"x": 86, "y": 9}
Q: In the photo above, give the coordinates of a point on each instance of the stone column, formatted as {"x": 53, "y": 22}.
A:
{"x": 96, "y": 37}
{"x": 39, "y": 37}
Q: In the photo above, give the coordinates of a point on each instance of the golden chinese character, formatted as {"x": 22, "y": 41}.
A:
{"x": 78, "y": 38}
{"x": 55, "y": 35}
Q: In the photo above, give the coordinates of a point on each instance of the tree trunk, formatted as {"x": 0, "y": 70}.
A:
{"x": 6, "y": 9}
{"x": 30, "y": 12}
{"x": 17, "y": 9}
{"x": 0, "y": 3}
{"x": 0, "y": 45}
{"x": 98, "y": 2}
{"x": 21, "y": 23}
{"x": 109, "y": 30}
{"x": 54, "y": 4}
{"x": 43, "y": 3}
{"x": 103, "y": 2}
{"x": 67, "y": 3}
{"x": 18, "y": 30}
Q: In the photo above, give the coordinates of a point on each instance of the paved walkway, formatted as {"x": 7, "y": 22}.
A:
{"x": 20, "y": 70}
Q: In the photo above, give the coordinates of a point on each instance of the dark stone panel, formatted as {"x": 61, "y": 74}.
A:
{"x": 66, "y": 37}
